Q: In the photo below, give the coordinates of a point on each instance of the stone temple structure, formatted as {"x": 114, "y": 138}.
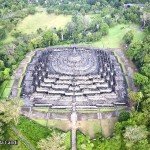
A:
{"x": 74, "y": 77}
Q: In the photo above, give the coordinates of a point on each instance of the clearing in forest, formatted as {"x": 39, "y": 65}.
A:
{"x": 116, "y": 33}
{"x": 42, "y": 20}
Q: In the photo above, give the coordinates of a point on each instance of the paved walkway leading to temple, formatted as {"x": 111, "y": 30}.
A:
{"x": 74, "y": 128}
{"x": 74, "y": 118}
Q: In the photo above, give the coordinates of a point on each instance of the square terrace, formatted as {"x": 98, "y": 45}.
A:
{"x": 88, "y": 77}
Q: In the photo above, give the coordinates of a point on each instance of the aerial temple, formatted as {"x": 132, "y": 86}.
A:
{"x": 89, "y": 78}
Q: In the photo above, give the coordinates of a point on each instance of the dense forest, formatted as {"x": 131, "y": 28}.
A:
{"x": 132, "y": 129}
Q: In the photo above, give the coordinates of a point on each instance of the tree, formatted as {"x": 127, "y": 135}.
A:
{"x": 135, "y": 96}
{"x": 89, "y": 37}
{"x": 47, "y": 38}
{"x": 124, "y": 116}
{"x": 1, "y": 65}
{"x": 91, "y": 2}
{"x": 6, "y": 73}
{"x": 82, "y": 11}
{"x": 146, "y": 14}
{"x": 134, "y": 134}
{"x": 57, "y": 11}
{"x": 36, "y": 42}
{"x": 71, "y": 28}
{"x": 11, "y": 110}
{"x": 128, "y": 37}
{"x": 97, "y": 36}
{"x": 2, "y": 130}
{"x": 140, "y": 79}
{"x": 41, "y": 2}
{"x": 2, "y": 34}
{"x": 104, "y": 29}
{"x": 79, "y": 37}
{"x": 146, "y": 68}
{"x": 55, "y": 39}
{"x": 84, "y": 142}
{"x": 114, "y": 143}
{"x": 145, "y": 18}
{"x": 31, "y": 10}
{"x": 83, "y": 23}
{"x": 56, "y": 142}
{"x": 50, "y": 10}
{"x": 134, "y": 50}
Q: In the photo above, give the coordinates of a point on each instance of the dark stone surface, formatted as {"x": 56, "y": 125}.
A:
{"x": 56, "y": 75}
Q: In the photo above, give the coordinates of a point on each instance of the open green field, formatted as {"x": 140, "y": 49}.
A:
{"x": 114, "y": 38}
{"x": 42, "y": 20}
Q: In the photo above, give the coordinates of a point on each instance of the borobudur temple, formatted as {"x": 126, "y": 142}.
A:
{"x": 88, "y": 78}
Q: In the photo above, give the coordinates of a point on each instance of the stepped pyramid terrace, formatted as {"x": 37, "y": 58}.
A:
{"x": 79, "y": 78}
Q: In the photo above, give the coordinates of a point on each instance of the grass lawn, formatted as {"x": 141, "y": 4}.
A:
{"x": 42, "y": 20}
{"x": 10, "y": 83}
{"x": 34, "y": 132}
{"x": 41, "y": 109}
{"x": 54, "y": 111}
{"x": 63, "y": 125}
{"x": 5, "y": 88}
{"x": 90, "y": 127}
{"x": 20, "y": 81}
{"x": 2, "y": 87}
{"x": 6, "y": 92}
{"x": 10, "y": 135}
{"x": 102, "y": 110}
{"x": 120, "y": 62}
{"x": 19, "y": 92}
{"x": 42, "y": 122}
{"x": 114, "y": 38}
{"x": 8, "y": 39}
{"x": 107, "y": 126}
